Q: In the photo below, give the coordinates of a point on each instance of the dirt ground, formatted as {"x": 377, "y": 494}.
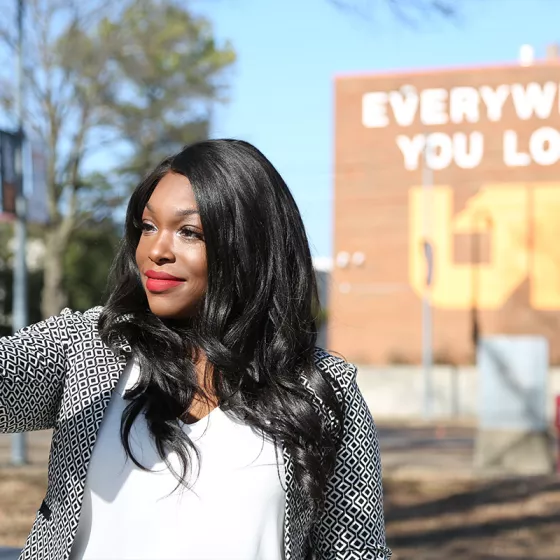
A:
{"x": 474, "y": 520}
{"x": 21, "y": 493}
{"x": 440, "y": 512}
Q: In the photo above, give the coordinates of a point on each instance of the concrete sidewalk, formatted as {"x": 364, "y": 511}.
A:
{"x": 408, "y": 449}
{"x": 427, "y": 450}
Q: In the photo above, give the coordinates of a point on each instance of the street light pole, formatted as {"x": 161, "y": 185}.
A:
{"x": 427, "y": 320}
{"x": 19, "y": 310}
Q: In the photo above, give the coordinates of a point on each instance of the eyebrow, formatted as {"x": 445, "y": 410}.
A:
{"x": 179, "y": 212}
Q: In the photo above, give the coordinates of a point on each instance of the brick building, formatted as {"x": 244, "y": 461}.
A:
{"x": 460, "y": 168}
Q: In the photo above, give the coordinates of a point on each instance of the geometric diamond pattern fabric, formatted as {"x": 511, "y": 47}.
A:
{"x": 59, "y": 375}
{"x": 352, "y": 526}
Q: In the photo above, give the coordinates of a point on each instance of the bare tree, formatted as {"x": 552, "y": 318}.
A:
{"x": 78, "y": 76}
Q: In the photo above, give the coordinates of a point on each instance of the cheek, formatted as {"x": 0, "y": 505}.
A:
{"x": 197, "y": 262}
{"x": 202, "y": 276}
{"x": 139, "y": 252}
{"x": 200, "y": 271}
{"x": 203, "y": 266}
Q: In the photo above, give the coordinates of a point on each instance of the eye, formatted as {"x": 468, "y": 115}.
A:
{"x": 147, "y": 227}
{"x": 189, "y": 233}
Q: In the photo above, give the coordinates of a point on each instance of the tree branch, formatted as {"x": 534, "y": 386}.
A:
{"x": 401, "y": 9}
{"x": 8, "y": 39}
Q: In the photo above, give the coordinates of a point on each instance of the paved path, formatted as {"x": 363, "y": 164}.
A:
{"x": 410, "y": 451}
{"x": 9, "y": 553}
{"x": 403, "y": 446}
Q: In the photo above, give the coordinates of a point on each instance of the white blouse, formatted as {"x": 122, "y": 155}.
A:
{"x": 234, "y": 509}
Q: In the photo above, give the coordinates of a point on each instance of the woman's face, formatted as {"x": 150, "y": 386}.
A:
{"x": 171, "y": 253}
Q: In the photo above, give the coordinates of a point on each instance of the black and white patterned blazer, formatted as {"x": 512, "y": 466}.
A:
{"x": 59, "y": 375}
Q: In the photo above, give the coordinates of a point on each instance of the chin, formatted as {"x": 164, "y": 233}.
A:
{"x": 166, "y": 310}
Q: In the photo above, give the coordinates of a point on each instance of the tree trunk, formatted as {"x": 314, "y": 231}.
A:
{"x": 54, "y": 297}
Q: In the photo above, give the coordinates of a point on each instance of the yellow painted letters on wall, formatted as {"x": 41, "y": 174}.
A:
{"x": 523, "y": 224}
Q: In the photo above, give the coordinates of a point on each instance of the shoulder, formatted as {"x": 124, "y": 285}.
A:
{"x": 91, "y": 315}
{"x": 88, "y": 319}
{"x": 341, "y": 371}
{"x": 68, "y": 320}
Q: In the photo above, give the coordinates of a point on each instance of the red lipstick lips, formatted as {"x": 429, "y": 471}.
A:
{"x": 161, "y": 281}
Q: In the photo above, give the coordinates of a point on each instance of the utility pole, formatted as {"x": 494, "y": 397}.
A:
{"x": 19, "y": 310}
{"x": 427, "y": 320}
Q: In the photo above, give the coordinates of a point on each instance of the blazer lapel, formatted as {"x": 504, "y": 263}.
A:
{"x": 297, "y": 520}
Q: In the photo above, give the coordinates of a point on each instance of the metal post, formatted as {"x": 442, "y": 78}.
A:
{"x": 19, "y": 311}
{"x": 427, "y": 345}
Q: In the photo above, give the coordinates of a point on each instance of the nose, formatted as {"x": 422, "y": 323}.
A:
{"x": 161, "y": 250}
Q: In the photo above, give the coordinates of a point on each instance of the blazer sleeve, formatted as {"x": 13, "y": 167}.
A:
{"x": 352, "y": 525}
{"x": 32, "y": 372}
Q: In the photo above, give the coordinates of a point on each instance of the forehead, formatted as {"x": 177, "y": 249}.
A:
{"x": 173, "y": 192}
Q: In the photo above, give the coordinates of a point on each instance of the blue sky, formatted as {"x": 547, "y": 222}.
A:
{"x": 289, "y": 51}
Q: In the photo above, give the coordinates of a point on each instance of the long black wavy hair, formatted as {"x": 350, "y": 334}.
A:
{"x": 256, "y": 324}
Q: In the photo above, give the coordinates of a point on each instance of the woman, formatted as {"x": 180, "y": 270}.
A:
{"x": 192, "y": 417}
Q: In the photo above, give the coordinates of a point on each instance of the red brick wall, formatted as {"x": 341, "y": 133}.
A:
{"x": 374, "y": 312}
